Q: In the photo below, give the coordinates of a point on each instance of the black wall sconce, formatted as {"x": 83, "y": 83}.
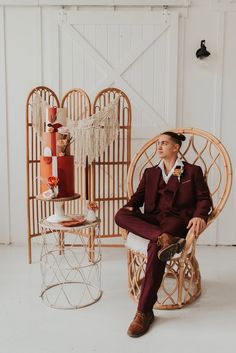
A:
{"x": 202, "y": 52}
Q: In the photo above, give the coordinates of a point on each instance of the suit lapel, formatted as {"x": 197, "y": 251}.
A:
{"x": 155, "y": 178}
{"x": 173, "y": 185}
{"x": 176, "y": 183}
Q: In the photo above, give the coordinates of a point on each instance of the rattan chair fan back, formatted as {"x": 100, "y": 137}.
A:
{"x": 182, "y": 280}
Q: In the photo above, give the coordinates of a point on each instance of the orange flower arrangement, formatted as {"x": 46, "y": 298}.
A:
{"x": 52, "y": 182}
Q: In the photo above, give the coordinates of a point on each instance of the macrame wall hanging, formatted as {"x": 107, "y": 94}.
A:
{"x": 38, "y": 114}
{"x": 91, "y": 136}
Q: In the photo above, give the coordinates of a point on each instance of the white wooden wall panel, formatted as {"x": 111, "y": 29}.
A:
{"x": 226, "y": 230}
{"x": 200, "y": 84}
{"x": 23, "y": 71}
{"x": 66, "y": 63}
{"x": 203, "y": 98}
{"x": 50, "y": 48}
{"x": 223, "y": 5}
{"x": 4, "y": 157}
{"x": 39, "y": 51}
{"x": 199, "y": 76}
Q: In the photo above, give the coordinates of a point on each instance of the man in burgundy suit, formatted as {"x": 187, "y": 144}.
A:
{"x": 176, "y": 198}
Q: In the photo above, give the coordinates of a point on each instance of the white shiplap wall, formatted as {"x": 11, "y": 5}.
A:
{"x": 4, "y": 166}
{"x": 35, "y": 49}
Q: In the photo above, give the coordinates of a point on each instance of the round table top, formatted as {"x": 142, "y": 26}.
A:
{"x": 57, "y": 226}
{"x": 58, "y": 199}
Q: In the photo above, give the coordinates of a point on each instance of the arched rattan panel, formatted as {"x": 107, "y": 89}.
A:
{"x": 79, "y": 107}
{"x": 36, "y": 210}
{"x": 182, "y": 280}
{"x": 109, "y": 172}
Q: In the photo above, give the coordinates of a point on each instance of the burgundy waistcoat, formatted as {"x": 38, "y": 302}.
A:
{"x": 165, "y": 194}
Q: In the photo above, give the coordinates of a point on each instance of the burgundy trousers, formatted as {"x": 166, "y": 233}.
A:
{"x": 151, "y": 226}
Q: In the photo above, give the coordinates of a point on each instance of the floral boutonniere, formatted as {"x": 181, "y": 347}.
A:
{"x": 178, "y": 171}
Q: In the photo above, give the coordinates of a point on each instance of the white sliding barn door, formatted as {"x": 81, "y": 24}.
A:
{"x": 136, "y": 51}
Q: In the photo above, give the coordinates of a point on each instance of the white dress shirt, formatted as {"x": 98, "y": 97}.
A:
{"x": 165, "y": 176}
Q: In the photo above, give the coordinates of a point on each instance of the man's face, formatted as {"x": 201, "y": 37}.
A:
{"x": 166, "y": 147}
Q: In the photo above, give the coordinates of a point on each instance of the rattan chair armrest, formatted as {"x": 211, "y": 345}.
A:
{"x": 190, "y": 241}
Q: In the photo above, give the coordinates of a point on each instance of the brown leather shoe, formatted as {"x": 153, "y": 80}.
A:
{"x": 170, "y": 246}
{"x": 140, "y": 324}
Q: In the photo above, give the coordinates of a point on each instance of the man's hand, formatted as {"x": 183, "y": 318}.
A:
{"x": 198, "y": 225}
{"x": 129, "y": 208}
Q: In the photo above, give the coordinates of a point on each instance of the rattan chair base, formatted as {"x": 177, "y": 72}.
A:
{"x": 158, "y": 306}
{"x": 176, "y": 290}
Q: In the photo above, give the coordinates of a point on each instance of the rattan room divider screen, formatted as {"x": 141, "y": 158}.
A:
{"x": 109, "y": 171}
{"x": 36, "y": 209}
{"x": 106, "y": 177}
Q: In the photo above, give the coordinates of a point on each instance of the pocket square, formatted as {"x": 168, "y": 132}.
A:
{"x": 186, "y": 181}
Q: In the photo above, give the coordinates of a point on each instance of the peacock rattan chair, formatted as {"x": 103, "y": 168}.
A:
{"x": 181, "y": 283}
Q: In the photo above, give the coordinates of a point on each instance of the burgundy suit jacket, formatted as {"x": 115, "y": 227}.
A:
{"x": 191, "y": 196}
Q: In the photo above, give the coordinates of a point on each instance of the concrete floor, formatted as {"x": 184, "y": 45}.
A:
{"x": 27, "y": 325}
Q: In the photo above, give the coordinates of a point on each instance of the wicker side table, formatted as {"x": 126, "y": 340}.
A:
{"x": 70, "y": 267}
